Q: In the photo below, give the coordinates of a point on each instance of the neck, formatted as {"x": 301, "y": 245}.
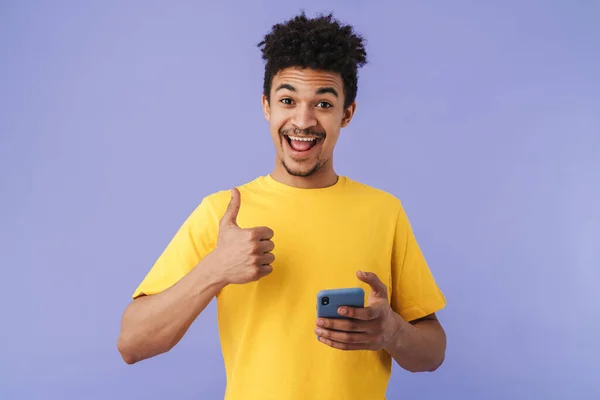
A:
{"x": 324, "y": 177}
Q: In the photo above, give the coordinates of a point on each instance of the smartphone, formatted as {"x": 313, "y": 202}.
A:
{"x": 328, "y": 301}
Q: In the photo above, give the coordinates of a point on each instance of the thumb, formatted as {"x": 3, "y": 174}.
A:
{"x": 378, "y": 289}
{"x": 230, "y": 216}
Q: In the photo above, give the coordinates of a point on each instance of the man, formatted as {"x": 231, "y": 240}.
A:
{"x": 266, "y": 248}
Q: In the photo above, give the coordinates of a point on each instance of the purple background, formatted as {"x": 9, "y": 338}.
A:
{"x": 117, "y": 117}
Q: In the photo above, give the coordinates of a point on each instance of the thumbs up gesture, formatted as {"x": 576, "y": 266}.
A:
{"x": 244, "y": 254}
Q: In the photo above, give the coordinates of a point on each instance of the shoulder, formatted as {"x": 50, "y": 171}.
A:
{"x": 214, "y": 204}
{"x": 376, "y": 196}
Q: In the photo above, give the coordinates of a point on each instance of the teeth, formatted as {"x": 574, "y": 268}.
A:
{"x": 302, "y": 139}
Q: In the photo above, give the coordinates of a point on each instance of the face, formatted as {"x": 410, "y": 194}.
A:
{"x": 306, "y": 113}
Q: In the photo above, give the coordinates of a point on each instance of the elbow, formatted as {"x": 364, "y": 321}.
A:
{"x": 127, "y": 343}
{"x": 430, "y": 365}
{"x": 424, "y": 368}
{"x": 438, "y": 357}
{"x": 133, "y": 351}
{"x": 126, "y": 351}
{"x": 435, "y": 366}
{"x": 129, "y": 359}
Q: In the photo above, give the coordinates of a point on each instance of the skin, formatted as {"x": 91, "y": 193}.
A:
{"x": 297, "y": 107}
{"x": 303, "y": 103}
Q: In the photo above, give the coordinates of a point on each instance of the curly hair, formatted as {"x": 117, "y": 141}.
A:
{"x": 320, "y": 43}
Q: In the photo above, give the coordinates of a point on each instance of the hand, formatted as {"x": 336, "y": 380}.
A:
{"x": 244, "y": 255}
{"x": 370, "y": 328}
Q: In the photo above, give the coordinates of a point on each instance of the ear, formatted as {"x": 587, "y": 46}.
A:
{"x": 348, "y": 114}
{"x": 266, "y": 107}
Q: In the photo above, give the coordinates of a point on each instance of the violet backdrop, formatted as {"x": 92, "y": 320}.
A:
{"x": 116, "y": 118}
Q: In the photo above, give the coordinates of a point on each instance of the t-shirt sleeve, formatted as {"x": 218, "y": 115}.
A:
{"x": 195, "y": 238}
{"x": 415, "y": 292}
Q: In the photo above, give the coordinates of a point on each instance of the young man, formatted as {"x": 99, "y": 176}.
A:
{"x": 266, "y": 248}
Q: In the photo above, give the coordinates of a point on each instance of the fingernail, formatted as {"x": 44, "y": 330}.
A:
{"x": 319, "y": 332}
{"x": 342, "y": 311}
{"x": 320, "y": 322}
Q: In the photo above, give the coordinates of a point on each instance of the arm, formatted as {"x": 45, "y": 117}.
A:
{"x": 419, "y": 342}
{"x": 417, "y": 346}
{"x": 154, "y": 324}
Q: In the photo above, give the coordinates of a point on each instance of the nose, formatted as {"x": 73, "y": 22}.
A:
{"x": 304, "y": 117}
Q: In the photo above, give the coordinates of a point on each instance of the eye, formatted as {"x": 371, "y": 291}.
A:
{"x": 287, "y": 101}
{"x": 324, "y": 104}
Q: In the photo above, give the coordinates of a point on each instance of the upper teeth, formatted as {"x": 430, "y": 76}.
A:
{"x": 302, "y": 139}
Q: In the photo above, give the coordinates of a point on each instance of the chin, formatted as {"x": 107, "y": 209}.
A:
{"x": 301, "y": 169}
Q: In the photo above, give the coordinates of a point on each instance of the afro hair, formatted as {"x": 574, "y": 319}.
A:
{"x": 320, "y": 43}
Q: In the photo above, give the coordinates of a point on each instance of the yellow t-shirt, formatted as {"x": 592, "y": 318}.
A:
{"x": 322, "y": 237}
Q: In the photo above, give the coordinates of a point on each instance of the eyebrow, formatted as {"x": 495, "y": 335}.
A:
{"x": 328, "y": 90}
{"x": 286, "y": 86}
{"x": 322, "y": 90}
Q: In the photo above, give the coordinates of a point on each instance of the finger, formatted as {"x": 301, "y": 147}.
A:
{"x": 231, "y": 213}
{"x": 266, "y": 246}
{"x": 344, "y": 337}
{"x": 360, "y": 313}
{"x": 261, "y": 233}
{"x": 264, "y": 270}
{"x": 378, "y": 289}
{"x": 267, "y": 258}
{"x": 345, "y": 346}
{"x": 346, "y": 325}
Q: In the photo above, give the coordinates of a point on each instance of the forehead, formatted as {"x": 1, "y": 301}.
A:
{"x": 307, "y": 79}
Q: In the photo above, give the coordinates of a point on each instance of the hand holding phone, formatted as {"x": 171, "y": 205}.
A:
{"x": 345, "y": 323}
{"x": 329, "y": 301}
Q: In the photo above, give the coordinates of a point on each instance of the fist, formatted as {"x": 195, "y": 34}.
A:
{"x": 244, "y": 254}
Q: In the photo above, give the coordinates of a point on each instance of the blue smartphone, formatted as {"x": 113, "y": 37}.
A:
{"x": 328, "y": 301}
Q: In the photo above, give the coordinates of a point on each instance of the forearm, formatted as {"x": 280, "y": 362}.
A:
{"x": 154, "y": 324}
{"x": 418, "y": 347}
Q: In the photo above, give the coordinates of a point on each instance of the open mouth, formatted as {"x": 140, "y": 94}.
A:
{"x": 302, "y": 144}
